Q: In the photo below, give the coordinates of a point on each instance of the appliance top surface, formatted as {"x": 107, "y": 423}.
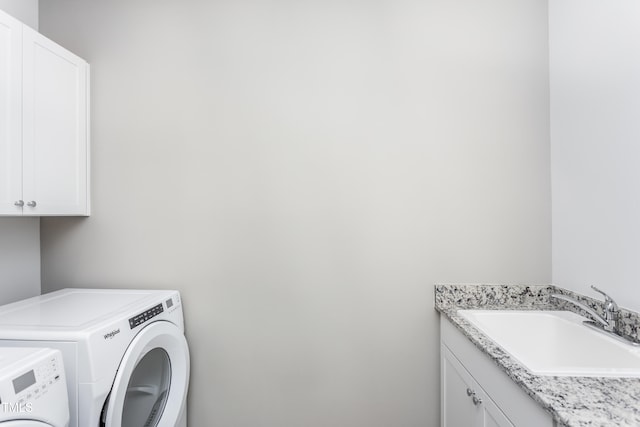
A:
{"x": 76, "y": 309}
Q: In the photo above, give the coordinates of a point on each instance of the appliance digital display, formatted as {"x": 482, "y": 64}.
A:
{"x": 23, "y": 381}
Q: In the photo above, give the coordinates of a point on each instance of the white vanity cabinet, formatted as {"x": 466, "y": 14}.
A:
{"x": 475, "y": 392}
{"x": 464, "y": 402}
{"x": 44, "y": 125}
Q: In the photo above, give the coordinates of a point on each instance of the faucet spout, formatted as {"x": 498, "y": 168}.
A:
{"x": 609, "y": 323}
{"x": 605, "y": 324}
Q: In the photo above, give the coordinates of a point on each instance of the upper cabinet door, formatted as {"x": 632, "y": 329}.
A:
{"x": 54, "y": 128}
{"x": 10, "y": 115}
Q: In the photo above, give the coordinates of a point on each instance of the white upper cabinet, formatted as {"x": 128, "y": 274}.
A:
{"x": 44, "y": 149}
{"x": 10, "y": 114}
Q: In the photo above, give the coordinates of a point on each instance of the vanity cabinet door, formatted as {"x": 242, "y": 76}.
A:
{"x": 493, "y": 416}
{"x": 10, "y": 115}
{"x": 464, "y": 402}
{"x": 457, "y": 406}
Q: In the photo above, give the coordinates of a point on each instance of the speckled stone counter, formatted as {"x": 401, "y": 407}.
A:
{"x": 572, "y": 401}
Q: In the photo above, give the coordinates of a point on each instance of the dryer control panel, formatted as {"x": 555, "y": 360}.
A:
{"x": 145, "y": 316}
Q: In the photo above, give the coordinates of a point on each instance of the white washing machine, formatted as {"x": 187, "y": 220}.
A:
{"x": 33, "y": 388}
{"x": 125, "y": 353}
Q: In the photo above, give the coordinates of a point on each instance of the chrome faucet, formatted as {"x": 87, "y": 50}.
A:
{"x": 610, "y": 320}
{"x": 611, "y": 312}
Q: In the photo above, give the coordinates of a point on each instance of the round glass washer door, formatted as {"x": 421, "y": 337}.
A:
{"x": 150, "y": 388}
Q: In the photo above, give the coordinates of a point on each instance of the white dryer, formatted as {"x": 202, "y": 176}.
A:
{"x": 125, "y": 354}
{"x": 33, "y": 388}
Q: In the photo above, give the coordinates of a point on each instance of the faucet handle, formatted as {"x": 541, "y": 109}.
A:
{"x": 609, "y": 302}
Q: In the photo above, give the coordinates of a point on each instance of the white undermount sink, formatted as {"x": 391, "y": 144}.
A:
{"x": 556, "y": 343}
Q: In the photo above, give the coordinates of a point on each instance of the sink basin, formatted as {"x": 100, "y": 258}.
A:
{"x": 556, "y": 343}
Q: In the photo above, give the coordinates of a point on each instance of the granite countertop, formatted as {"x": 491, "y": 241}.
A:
{"x": 572, "y": 401}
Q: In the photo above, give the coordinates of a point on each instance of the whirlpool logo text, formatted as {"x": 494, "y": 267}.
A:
{"x": 111, "y": 334}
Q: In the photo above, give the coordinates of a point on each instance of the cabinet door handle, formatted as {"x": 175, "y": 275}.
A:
{"x": 31, "y": 204}
{"x": 19, "y": 203}
{"x": 477, "y": 401}
{"x": 470, "y": 392}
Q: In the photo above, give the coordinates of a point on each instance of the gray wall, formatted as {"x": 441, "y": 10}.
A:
{"x": 20, "y": 237}
{"x": 595, "y": 133}
{"x": 304, "y": 172}
{"x": 19, "y": 259}
{"x": 24, "y": 10}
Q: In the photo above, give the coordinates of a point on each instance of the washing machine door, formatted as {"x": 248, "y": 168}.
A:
{"x": 150, "y": 388}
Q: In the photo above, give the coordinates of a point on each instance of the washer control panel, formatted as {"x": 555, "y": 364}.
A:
{"x": 33, "y": 386}
{"x": 145, "y": 316}
{"x": 36, "y": 381}
{"x": 30, "y": 378}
